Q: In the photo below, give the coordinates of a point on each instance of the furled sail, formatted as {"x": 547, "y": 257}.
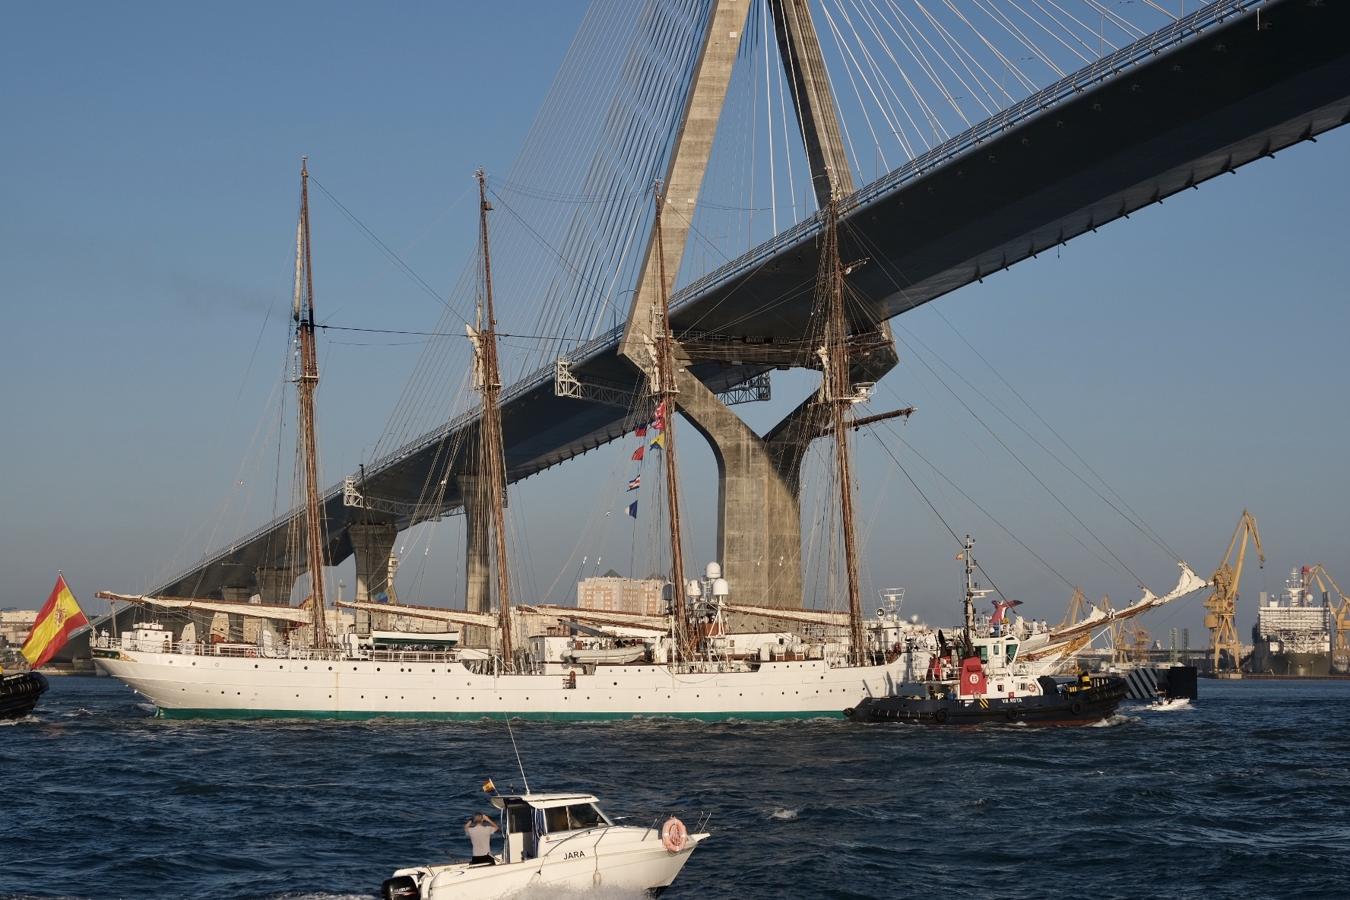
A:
{"x": 637, "y": 620}
{"x": 293, "y": 614}
{"x": 809, "y": 616}
{"x": 1040, "y": 646}
{"x": 435, "y": 613}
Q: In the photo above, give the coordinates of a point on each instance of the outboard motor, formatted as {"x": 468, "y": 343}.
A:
{"x": 400, "y": 888}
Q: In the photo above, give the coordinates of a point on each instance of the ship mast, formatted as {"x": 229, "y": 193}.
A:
{"x": 491, "y": 453}
{"x": 838, "y": 395}
{"x": 968, "y": 554}
{"x": 302, "y": 312}
{"x": 665, "y": 389}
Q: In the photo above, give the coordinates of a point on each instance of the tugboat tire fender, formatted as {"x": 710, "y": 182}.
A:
{"x": 940, "y": 716}
{"x": 1014, "y": 715}
{"x": 1077, "y": 708}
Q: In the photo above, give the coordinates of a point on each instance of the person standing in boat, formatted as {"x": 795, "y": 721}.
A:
{"x": 479, "y": 830}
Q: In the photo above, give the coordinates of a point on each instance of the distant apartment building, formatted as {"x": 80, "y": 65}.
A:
{"x": 15, "y": 625}
{"x": 613, "y": 593}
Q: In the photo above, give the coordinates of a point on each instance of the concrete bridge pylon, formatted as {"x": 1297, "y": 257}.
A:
{"x": 759, "y": 512}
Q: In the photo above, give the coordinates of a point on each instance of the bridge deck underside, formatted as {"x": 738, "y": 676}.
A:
{"x": 1226, "y": 97}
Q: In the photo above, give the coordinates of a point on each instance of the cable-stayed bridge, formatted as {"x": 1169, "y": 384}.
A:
{"x": 1213, "y": 90}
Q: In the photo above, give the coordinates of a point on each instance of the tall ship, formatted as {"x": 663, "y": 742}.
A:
{"x": 699, "y": 658}
{"x": 1293, "y": 630}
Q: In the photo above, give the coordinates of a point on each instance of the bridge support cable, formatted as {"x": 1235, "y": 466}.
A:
{"x": 1160, "y": 115}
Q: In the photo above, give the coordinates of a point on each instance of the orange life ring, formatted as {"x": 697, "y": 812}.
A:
{"x": 673, "y": 835}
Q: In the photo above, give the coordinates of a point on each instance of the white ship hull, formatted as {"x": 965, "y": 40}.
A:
{"x": 189, "y": 685}
{"x": 615, "y": 858}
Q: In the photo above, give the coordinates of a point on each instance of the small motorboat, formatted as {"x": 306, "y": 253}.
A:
{"x": 559, "y": 840}
{"x": 19, "y": 693}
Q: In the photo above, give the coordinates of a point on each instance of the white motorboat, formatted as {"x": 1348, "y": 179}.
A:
{"x": 558, "y": 840}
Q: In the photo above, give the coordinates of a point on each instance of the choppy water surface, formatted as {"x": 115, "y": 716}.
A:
{"x": 1245, "y": 794}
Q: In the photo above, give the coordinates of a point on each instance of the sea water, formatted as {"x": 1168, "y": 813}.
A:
{"x": 1246, "y": 793}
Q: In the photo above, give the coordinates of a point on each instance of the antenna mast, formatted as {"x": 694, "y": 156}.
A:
{"x": 665, "y": 389}
{"x": 839, "y": 396}
{"x": 302, "y": 312}
{"x": 492, "y": 455}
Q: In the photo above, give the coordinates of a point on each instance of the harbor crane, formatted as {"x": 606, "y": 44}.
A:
{"x": 1221, "y": 605}
{"x": 1340, "y": 616}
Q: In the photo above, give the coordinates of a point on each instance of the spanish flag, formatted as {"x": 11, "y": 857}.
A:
{"x": 489, "y": 787}
{"x": 56, "y": 622}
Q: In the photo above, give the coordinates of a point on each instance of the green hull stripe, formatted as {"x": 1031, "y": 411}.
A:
{"x": 357, "y": 715}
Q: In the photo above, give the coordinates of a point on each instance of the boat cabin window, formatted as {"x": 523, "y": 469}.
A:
{"x": 518, "y": 819}
{"x": 573, "y": 817}
{"x": 1012, "y": 650}
{"x": 984, "y": 655}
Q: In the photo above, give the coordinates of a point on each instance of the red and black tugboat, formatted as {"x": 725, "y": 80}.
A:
{"x": 979, "y": 679}
{"x": 19, "y": 693}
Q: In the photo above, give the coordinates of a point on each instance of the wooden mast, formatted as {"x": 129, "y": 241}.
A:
{"x": 839, "y": 397}
{"x": 302, "y": 312}
{"x": 666, "y": 390}
{"x": 491, "y": 452}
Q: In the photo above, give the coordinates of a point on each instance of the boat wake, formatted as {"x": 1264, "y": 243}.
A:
{"x": 784, "y": 814}
{"x": 552, "y": 891}
{"x": 25, "y": 720}
{"x": 1169, "y": 706}
{"x": 1114, "y": 720}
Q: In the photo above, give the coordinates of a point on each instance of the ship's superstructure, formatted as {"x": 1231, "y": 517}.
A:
{"x": 1292, "y": 634}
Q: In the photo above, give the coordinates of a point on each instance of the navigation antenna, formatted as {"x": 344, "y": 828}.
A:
{"x": 491, "y": 453}
{"x": 302, "y": 312}
{"x": 520, "y": 765}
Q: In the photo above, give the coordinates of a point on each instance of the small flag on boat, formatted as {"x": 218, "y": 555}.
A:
{"x": 640, "y": 431}
{"x": 58, "y": 619}
{"x": 632, "y": 509}
{"x": 659, "y": 420}
{"x": 638, "y": 454}
{"x": 1001, "y": 607}
{"x": 489, "y": 787}
{"x": 659, "y": 442}
{"x": 635, "y": 483}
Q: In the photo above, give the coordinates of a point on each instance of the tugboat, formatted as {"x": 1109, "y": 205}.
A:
{"x": 19, "y": 693}
{"x": 979, "y": 679}
{"x": 558, "y": 840}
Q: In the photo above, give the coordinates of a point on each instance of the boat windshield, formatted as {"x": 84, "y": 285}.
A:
{"x": 573, "y": 817}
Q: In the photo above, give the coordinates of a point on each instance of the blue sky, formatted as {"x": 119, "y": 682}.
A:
{"x": 1193, "y": 355}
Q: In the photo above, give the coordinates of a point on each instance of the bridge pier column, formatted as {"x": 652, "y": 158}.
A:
{"x": 759, "y": 535}
{"x": 237, "y": 626}
{"x": 477, "y": 557}
{"x": 372, "y": 545}
{"x": 274, "y": 584}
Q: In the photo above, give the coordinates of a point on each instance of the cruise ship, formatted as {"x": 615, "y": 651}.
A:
{"x": 1292, "y": 634}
